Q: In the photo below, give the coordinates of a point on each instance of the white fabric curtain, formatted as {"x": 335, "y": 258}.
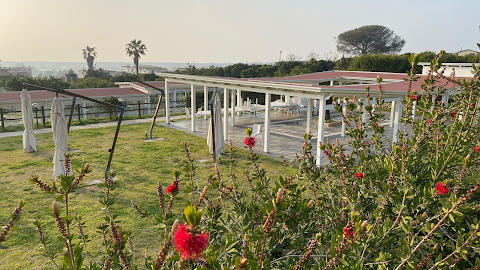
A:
{"x": 217, "y": 118}
{"x": 60, "y": 136}
{"x": 29, "y": 142}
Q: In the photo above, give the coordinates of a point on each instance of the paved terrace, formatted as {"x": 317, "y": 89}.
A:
{"x": 286, "y": 132}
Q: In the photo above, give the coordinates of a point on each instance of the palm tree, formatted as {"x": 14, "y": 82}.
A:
{"x": 89, "y": 54}
{"x": 135, "y": 49}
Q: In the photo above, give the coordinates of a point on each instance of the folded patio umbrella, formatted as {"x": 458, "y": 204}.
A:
{"x": 29, "y": 142}
{"x": 217, "y": 119}
{"x": 60, "y": 136}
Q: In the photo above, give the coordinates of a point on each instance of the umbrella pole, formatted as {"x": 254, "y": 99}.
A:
{"x": 111, "y": 150}
{"x": 158, "y": 104}
{"x": 71, "y": 114}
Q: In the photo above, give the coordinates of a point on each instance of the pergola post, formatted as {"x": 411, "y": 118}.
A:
{"x": 445, "y": 99}
{"x": 174, "y": 101}
{"x": 205, "y": 99}
{"x": 225, "y": 114}
{"x": 392, "y": 113}
{"x": 331, "y": 83}
{"x": 233, "y": 108}
{"x": 287, "y": 98}
{"x": 149, "y": 108}
{"x": 84, "y": 110}
{"x": 239, "y": 98}
{"x": 344, "y": 112}
{"x": 339, "y": 82}
{"x": 364, "y": 116}
{"x": 321, "y": 129}
{"x": 194, "y": 107}
{"x": 414, "y": 109}
{"x": 167, "y": 102}
{"x": 309, "y": 113}
{"x": 396, "y": 122}
{"x": 266, "y": 139}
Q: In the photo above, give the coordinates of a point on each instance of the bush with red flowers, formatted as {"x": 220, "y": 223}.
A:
{"x": 418, "y": 208}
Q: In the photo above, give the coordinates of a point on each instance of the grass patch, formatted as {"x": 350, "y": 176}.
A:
{"x": 139, "y": 165}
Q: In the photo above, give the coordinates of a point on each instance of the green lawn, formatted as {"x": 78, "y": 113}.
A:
{"x": 139, "y": 165}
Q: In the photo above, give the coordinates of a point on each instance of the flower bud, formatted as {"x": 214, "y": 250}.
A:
{"x": 175, "y": 227}
{"x": 279, "y": 196}
{"x": 55, "y": 208}
{"x": 310, "y": 204}
{"x": 86, "y": 167}
{"x": 424, "y": 215}
{"x": 243, "y": 263}
{"x": 364, "y": 224}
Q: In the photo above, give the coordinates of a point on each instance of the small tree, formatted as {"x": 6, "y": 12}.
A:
{"x": 369, "y": 39}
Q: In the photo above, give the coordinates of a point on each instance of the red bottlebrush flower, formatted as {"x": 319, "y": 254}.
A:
{"x": 250, "y": 141}
{"x": 430, "y": 121}
{"x": 442, "y": 188}
{"x": 452, "y": 114}
{"x": 173, "y": 187}
{"x": 359, "y": 175}
{"x": 188, "y": 245}
{"x": 413, "y": 97}
{"x": 477, "y": 148}
{"x": 319, "y": 225}
{"x": 348, "y": 232}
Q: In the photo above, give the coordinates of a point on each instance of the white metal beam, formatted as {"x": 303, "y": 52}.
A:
{"x": 321, "y": 130}
{"x": 174, "y": 101}
{"x": 225, "y": 114}
{"x": 397, "y": 121}
{"x": 309, "y": 114}
{"x": 266, "y": 139}
{"x": 392, "y": 113}
{"x": 194, "y": 108}
{"x": 233, "y": 107}
{"x": 167, "y": 102}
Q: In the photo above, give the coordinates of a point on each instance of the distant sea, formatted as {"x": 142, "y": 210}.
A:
{"x": 45, "y": 68}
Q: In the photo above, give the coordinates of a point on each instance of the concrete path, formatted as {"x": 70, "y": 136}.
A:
{"x": 108, "y": 124}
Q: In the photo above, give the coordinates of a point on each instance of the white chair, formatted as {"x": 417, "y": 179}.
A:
{"x": 257, "y": 132}
{"x": 198, "y": 112}
{"x": 187, "y": 114}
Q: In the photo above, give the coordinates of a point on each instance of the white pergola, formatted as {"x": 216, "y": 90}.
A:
{"x": 312, "y": 91}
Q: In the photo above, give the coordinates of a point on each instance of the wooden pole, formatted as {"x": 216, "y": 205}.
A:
{"x": 1, "y": 119}
{"x": 71, "y": 114}
{"x": 43, "y": 116}
{"x": 78, "y": 113}
{"x": 139, "y": 110}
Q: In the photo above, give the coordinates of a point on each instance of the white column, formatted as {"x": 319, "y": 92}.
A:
{"x": 233, "y": 108}
{"x": 331, "y": 83}
{"x": 84, "y": 110}
{"x": 174, "y": 101}
{"x": 392, "y": 113}
{"x": 344, "y": 112}
{"x": 239, "y": 98}
{"x": 205, "y": 99}
{"x": 321, "y": 130}
{"x": 397, "y": 123}
{"x": 309, "y": 114}
{"x": 167, "y": 103}
{"x": 149, "y": 107}
{"x": 287, "y": 98}
{"x": 445, "y": 99}
{"x": 364, "y": 115}
{"x": 225, "y": 114}
{"x": 266, "y": 138}
{"x": 339, "y": 82}
{"x": 414, "y": 109}
{"x": 194, "y": 107}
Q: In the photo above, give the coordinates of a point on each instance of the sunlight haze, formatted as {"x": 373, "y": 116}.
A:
{"x": 222, "y": 31}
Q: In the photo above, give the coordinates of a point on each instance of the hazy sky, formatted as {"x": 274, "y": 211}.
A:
{"x": 223, "y": 30}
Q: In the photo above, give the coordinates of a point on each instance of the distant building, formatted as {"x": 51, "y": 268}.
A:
{"x": 461, "y": 69}
{"x": 466, "y": 52}
{"x": 144, "y": 69}
{"x": 15, "y": 71}
{"x": 112, "y": 73}
{"x": 70, "y": 77}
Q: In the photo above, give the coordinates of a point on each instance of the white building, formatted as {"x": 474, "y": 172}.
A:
{"x": 461, "y": 69}
{"x": 144, "y": 69}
